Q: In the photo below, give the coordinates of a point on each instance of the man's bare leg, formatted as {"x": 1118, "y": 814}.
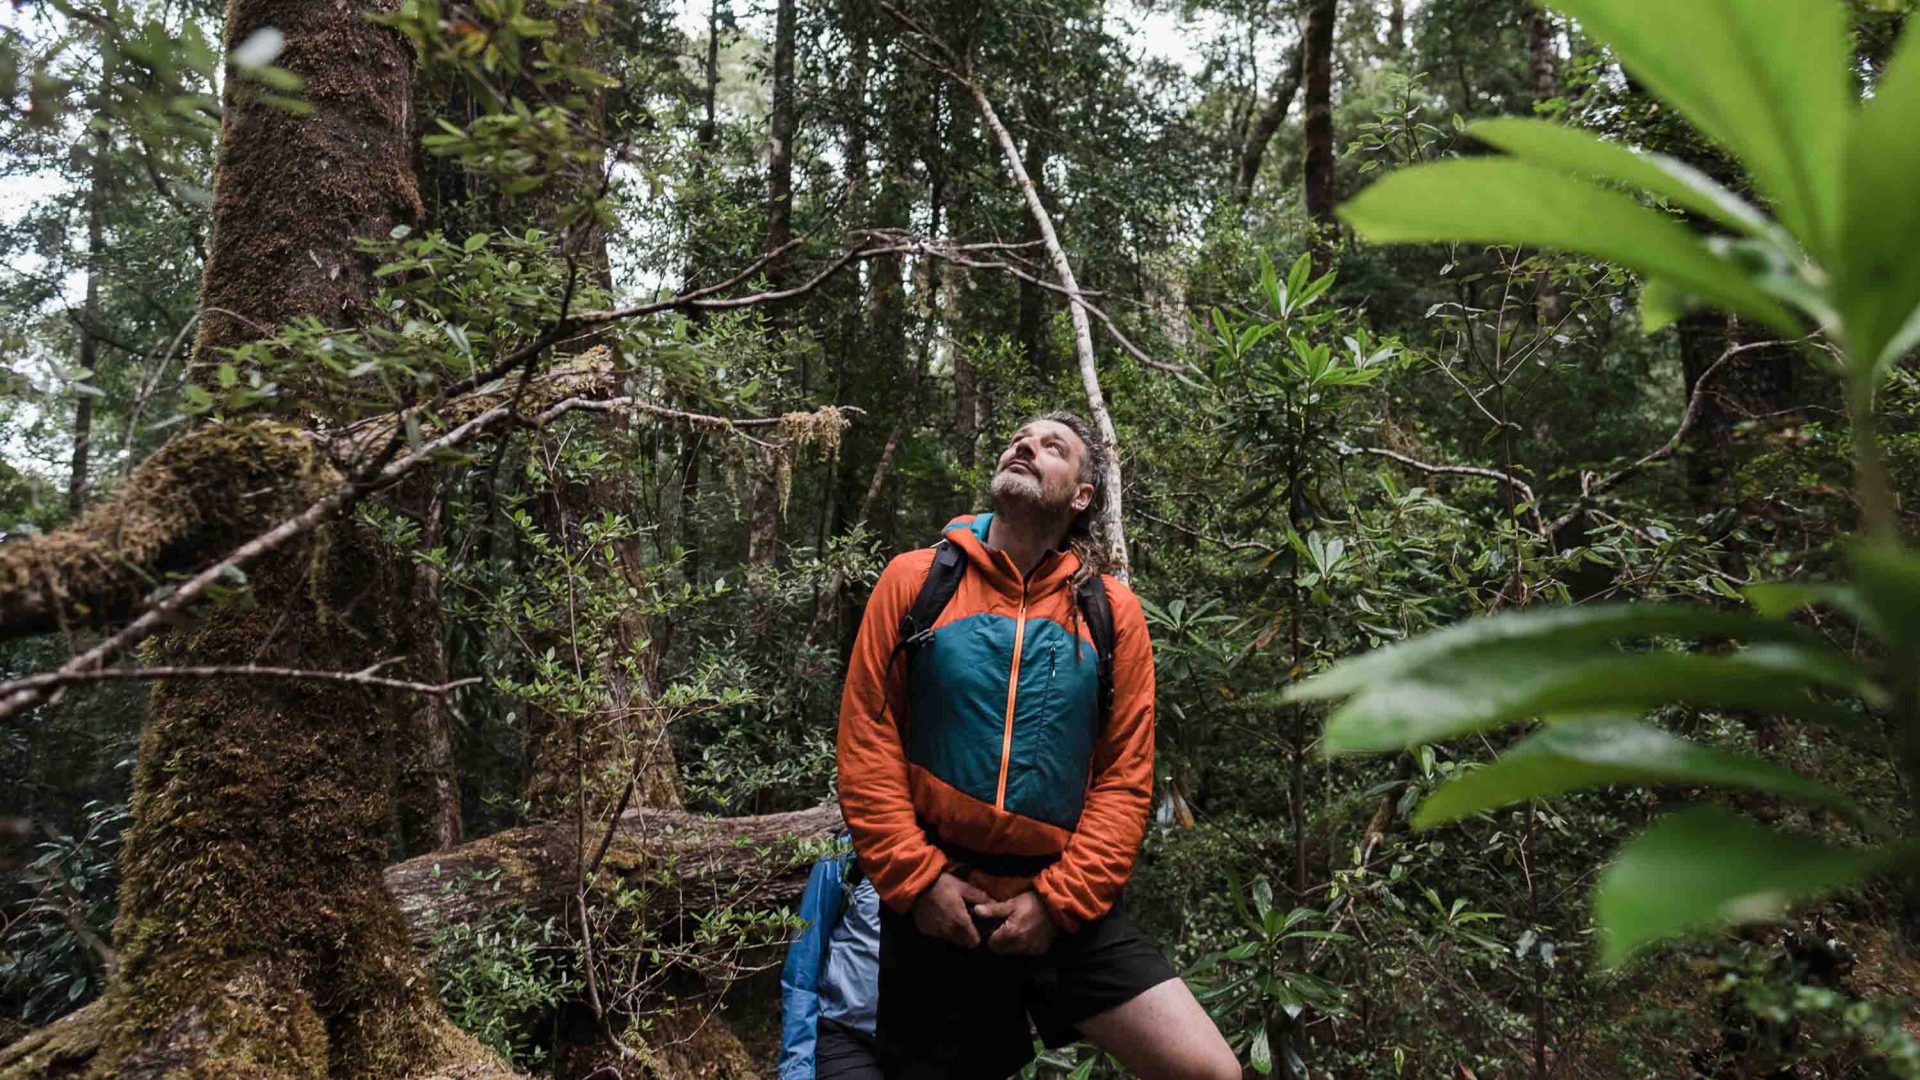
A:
{"x": 1163, "y": 1034}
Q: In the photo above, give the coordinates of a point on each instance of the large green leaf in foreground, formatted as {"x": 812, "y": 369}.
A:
{"x": 1491, "y": 687}
{"x": 1592, "y": 753}
{"x": 1703, "y": 867}
{"x": 1508, "y": 201}
{"x": 1559, "y": 626}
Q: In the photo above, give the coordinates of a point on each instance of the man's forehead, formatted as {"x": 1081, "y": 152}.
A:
{"x": 1053, "y": 427}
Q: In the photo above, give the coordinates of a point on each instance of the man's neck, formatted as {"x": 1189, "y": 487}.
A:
{"x": 1025, "y": 539}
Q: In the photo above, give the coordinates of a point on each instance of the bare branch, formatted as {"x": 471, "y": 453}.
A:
{"x": 1515, "y": 482}
{"x": 363, "y": 677}
{"x": 591, "y": 378}
{"x": 1590, "y": 487}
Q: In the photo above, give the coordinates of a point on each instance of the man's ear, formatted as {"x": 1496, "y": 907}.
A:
{"x": 1083, "y": 498}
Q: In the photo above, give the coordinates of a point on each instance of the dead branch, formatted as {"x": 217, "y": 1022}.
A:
{"x": 34, "y": 567}
{"x": 1591, "y": 486}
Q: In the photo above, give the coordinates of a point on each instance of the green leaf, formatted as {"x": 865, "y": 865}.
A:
{"x": 1878, "y": 277}
{"x": 1505, "y": 201}
{"x": 1704, "y": 867}
{"x": 1587, "y": 623}
{"x": 1889, "y": 596}
{"x": 1766, "y": 79}
{"x": 1488, "y": 689}
{"x": 1575, "y": 151}
{"x": 1260, "y": 1054}
{"x": 1590, "y": 753}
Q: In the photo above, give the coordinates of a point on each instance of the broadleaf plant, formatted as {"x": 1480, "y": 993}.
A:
{"x": 1831, "y": 257}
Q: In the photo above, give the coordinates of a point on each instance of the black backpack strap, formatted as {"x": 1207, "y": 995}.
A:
{"x": 943, "y": 579}
{"x": 1099, "y": 616}
{"x": 916, "y": 625}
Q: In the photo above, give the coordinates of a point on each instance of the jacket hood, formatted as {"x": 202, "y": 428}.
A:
{"x": 969, "y": 533}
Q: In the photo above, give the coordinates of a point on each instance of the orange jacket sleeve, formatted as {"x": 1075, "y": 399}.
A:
{"x": 1098, "y": 858}
{"x": 875, "y": 797}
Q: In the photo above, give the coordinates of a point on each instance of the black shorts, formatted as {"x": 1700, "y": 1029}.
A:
{"x": 963, "y": 1014}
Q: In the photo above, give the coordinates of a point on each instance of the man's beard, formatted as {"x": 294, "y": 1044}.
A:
{"x": 1014, "y": 488}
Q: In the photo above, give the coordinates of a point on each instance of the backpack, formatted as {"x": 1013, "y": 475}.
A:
{"x": 826, "y": 900}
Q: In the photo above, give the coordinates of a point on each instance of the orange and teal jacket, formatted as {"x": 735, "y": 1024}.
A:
{"x": 985, "y": 749}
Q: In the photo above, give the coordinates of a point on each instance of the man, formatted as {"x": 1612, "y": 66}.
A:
{"x": 993, "y": 808}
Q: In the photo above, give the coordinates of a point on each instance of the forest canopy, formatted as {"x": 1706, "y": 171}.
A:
{"x": 447, "y": 448}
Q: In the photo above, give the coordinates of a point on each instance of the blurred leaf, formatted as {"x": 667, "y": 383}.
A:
{"x": 1507, "y": 201}
{"x": 1765, "y": 80}
{"x": 1878, "y": 277}
{"x": 1589, "y": 753}
{"x": 1572, "y": 150}
{"x": 1705, "y": 867}
{"x": 1591, "y": 623}
{"x": 1486, "y": 689}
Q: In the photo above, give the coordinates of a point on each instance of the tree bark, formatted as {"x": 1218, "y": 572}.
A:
{"x": 1317, "y": 62}
{"x": 1542, "y": 65}
{"x": 1269, "y": 121}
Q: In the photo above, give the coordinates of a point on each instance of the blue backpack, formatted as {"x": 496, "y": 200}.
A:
{"x": 832, "y": 969}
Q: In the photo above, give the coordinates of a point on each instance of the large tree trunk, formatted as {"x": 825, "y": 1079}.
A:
{"x": 1317, "y": 61}
{"x": 256, "y": 937}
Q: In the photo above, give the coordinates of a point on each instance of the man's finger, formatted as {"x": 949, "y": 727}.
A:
{"x": 993, "y": 909}
{"x": 974, "y": 894}
{"x": 964, "y": 934}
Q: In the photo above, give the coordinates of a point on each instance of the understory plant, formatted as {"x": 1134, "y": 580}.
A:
{"x": 1772, "y": 84}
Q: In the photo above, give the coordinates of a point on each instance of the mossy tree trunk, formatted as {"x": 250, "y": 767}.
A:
{"x": 256, "y": 936}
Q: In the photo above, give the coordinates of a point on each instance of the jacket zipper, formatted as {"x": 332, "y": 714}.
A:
{"x": 1013, "y": 692}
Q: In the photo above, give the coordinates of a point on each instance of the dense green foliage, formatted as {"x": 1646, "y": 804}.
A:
{"x": 1335, "y": 445}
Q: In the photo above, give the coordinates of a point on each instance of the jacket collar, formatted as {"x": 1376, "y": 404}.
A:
{"x": 968, "y": 532}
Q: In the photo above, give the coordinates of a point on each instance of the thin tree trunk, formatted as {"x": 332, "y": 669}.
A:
{"x": 780, "y": 130}
{"x": 90, "y": 307}
{"x": 1542, "y": 65}
{"x": 1111, "y": 530}
{"x": 709, "y": 129}
{"x": 1317, "y": 62}
{"x": 430, "y": 657}
{"x": 1275, "y": 114}
{"x": 1031, "y": 330}
{"x": 1397, "y": 28}
{"x": 769, "y": 469}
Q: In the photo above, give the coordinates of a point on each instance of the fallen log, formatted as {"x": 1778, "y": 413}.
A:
{"x": 702, "y": 862}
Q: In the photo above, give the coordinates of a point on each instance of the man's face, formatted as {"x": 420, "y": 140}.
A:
{"x": 1040, "y": 468}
